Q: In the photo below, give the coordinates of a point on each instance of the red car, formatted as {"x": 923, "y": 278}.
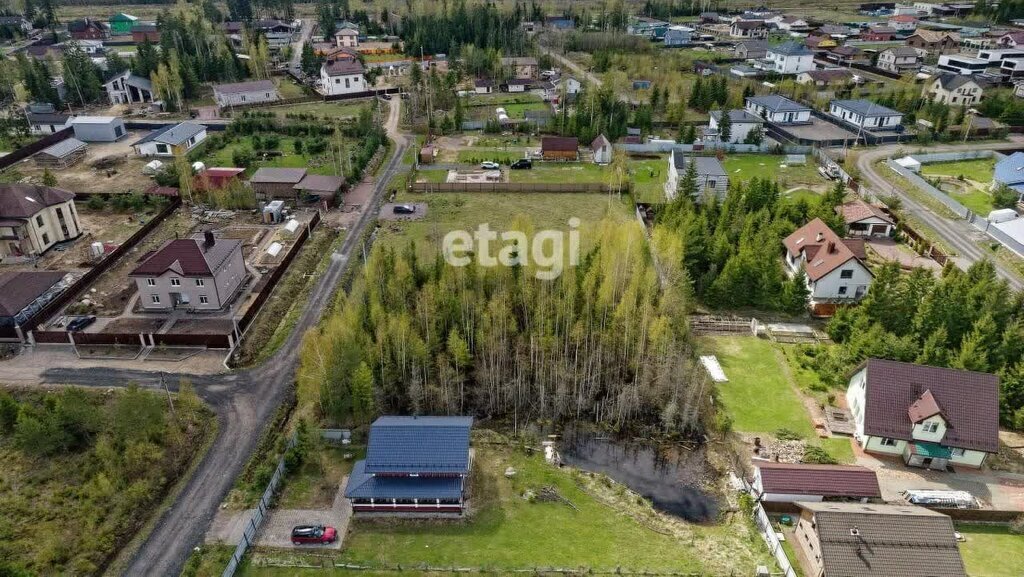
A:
{"x": 318, "y": 534}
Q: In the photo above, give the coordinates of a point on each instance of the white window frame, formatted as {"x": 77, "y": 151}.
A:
{"x": 200, "y": 282}
{"x": 175, "y": 282}
{"x": 958, "y": 452}
{"x": 204, "y": 300}
{"x": 150, "y": 282}
{"x": 931, "y": 426}
{"x": 155, "y": 299}
{"x": 887, "y": 442}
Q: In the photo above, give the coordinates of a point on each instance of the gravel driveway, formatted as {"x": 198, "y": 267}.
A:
{"x": 277, "y": 529}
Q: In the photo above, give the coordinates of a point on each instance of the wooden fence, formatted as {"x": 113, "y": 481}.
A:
{"x": 28, "y": 150}
{"x": 275, "y": 276}
{"x": 514, "y": 187}
{"x": 92, "y": 274}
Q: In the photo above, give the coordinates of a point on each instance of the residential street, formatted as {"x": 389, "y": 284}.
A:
{"x": 244, "y": 402}
{"x": 957, "y": 233}
{"x": 304, "y": 34}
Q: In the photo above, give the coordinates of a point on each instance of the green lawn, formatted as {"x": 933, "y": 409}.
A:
{"x": 510, "y": 532}
{"x": 319, "y": 164}
{"x": 562, "y": 172}
{"x": 321, "y": 109}
{"x": 746, "y": 166}
{"x": 979, "y": 170}
{"x": 466, "y": 211}
{"x": 802, "y": 193}
{"x": 288, "y": 89}
{"x": 315, "y": 484}
{"x": 979, "y": 201}
{"x": 476, "y": 155}
{"x": 647, "y": 178}
{"x": 432, "y": 176}
{"x": 991, "y": 551}
{"x": 758, "y": 396}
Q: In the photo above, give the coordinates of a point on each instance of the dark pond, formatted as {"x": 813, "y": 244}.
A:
{"x": 668, "y": 476}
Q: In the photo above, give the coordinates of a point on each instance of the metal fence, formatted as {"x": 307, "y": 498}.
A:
{"x": 764, "y": 525}
{"x": 956, "y": 156}
{"x": 926, "y": 187}
{"x": 261, "y": 513}
{"x": 662, "y": 147}
{"x": 515, "y": 187}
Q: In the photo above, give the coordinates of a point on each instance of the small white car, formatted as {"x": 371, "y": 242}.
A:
{"x": 489, "y": 165}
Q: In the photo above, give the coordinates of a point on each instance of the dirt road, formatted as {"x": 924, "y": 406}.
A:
{"x": 244, "y": 402}
{"x": 957, "y": 233}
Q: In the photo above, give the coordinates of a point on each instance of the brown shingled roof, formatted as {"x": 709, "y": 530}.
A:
{"x": 824, "y": 250}
{"x": 969, "y": 402}
{"x": 867, "y": 540}
{"x": 188, "y": 257}
{"x": 24, "y": 200}
{"x": 825, "y": 480}
{"x": 858, "y": 210}
{"x": 560, "y": 143}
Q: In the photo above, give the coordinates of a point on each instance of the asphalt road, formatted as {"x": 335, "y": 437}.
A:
{"x": 957, "y": 233}
{"x": 243, "y": 401}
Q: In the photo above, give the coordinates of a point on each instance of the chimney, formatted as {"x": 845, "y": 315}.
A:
{"x": 209, "y": 240}
{"x": 821, "y": 236}
{"x": 831, "y": 247}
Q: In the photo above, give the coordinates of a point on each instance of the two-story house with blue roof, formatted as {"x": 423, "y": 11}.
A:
{"x": 413, "y": 466}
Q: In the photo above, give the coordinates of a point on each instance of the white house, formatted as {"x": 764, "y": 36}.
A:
{"x": 483, "y": 86}
{"x": 903, "y": 23}
{"x": 789, "y": 58}
{"x": 932, "y": 417}
{"x": 342, "y": 77}
{"x": 777, "y": 109}
{"x": 791, "y": 482}
{"x": 864, "y": 219}
{"x": 678, "y": 35}
{"x": 834, "y": 273}
{"x": 748, "y": 29}
{"x": 742, "y": 124}
{"x": 171, "y": 140}
{"x": 240, "y": 93}
{"x": 954, "y": 89}
{"x": 347, "y": 38}
{"x": 572, "y": 86}
{"x": 790, "y": 23}
{"x": 711, "y": 176}
{"x": 43, "y": 123}
{"x": 865, "y": 114}
{"x": 127, "y": 88}
{"x": 202, "y": 273}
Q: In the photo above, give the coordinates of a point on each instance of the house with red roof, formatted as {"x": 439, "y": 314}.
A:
{"x": 835, "y": 274}
{"x": 200, "y": 273}
{"x": 932, "y": 417}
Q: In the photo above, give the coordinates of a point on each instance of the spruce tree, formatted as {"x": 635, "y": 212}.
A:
{"x": 725, "y": 127}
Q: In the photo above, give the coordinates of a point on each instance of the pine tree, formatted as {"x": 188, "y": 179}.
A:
{"x": 688, "y": 185}
{"x": 725, "y": 127}
{"x": 691, "y": 134}
{"x": 795, "y": 293}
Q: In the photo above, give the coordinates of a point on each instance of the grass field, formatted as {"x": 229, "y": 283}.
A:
{"x": 647, "y": 179}
{"x": 991, "y": 551}
{"x": 289, "y": 89}
{"x": 978, "y": 170}
{"x": 509, "y": 532}
{"x": 743, "y": 167}
{"x": 758, "y": 396}
{"x": 456, "y": 211}
{"x": 321, "y": 109}
{"x": 557, "y": 172}
{"x": 319, "y": 164}
{"x": 315, "y": 484}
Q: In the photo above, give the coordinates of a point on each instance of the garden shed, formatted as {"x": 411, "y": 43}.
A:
{"x": 62, "y": 155}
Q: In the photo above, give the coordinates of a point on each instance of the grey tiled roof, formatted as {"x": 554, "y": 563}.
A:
{"x": 706, "y": 165}
{"x": 776, "y": 103}
{"x": 738, "y": 115}
{"x": 866, "y": 108}
{"x": 860, "y": 540}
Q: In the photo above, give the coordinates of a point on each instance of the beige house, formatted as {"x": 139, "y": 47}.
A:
{"x": 953, "y": 89}
{"x": 347, "y": 38}
{"x": 34, "y": 218}
{"x": 899, "y": 59}
{"x": 932, "y": 417}
{"x": 869, "y": 540}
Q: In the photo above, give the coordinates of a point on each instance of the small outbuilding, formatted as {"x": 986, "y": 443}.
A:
{"x": 98, "y": 128}
{"x": 171, "y": 140}
{"x": 910, "y": 163}
{"x": 323, "y": 188}
{"x": 218, "y": 177}
{"x": 270, "y": 183}
{"x": 792, "y": 482}
{"x": 865, "y": 219}
{"x": 602, "y": 149}
{"x": 62, "y": 155}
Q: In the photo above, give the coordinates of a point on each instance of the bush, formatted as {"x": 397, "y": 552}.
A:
{"x": 787, "y": 435}
{"x": 168, "y": 176}
{"x": 817, "y": 455}
{"x": 96, "y": 202}
{"x": 1017, "y": 525}
{"x": 242, "y": 158}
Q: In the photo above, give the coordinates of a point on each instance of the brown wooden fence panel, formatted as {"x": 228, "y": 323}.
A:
{"x": 30, "y": 149}
{"x": 213, "y": 341}
{"x": 107, "y": 339}
{"x": 53, "y": 337}
{"x": 275, "y": 276}
{"x": 92, "y": 274}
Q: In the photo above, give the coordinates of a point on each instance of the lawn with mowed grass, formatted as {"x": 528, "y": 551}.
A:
{"x": 509, "y": 532}
{"x": 647, "y": 179}
{"x": 991, "y": 551}
{"x": 562, "y": 173}
{"x": 757, "y": 395}
{"x": 743, "y": 167}
{"x": 330, "y": 110}
{"x": 466, "y": 211}
{"x": 979, "y": 170}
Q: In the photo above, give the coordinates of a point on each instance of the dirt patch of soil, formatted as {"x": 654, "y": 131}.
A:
{"x": 133, "y": 325}
{"x": 201, "y": 327}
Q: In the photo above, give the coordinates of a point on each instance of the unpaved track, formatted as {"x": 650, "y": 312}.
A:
{"x": 244, "y": 402}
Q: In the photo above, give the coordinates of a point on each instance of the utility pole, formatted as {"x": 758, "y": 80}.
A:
{"x": 170, "y": 401}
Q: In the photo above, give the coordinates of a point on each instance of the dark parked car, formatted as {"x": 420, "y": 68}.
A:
{"x": 404, "y": 209}
{"x": 80, "y": 323}
{"x": 305, "y": 534}
{"x": 521, "y": 164}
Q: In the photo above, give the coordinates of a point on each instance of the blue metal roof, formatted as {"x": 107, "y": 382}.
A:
{"x": 362, "y": 485}
{"x": 1010, "y": 170}
{"x": 419, "y": 445}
